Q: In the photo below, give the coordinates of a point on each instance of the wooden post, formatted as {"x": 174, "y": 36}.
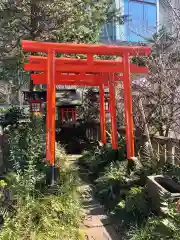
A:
{"x": 47, "y": 124}
{"x": 170, "y": 151}
{"x": 51, "y": 108}
{"x": 48, "y": 91}
{"x": 128, "y": 107}
{"x": 112, "y": 108}
{"x": 102, "y": 114}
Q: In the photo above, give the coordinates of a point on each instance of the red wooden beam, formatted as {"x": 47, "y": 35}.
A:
{"x": 51, "y": 109}
{"x": 75, "y": 68}
{"x": 48, "y": 153}
{"x": 73, "y": 83}
{"x": 33, "y": 46}
{"x": 128, "y": 108}
{"x": 102, "y": 114}
{"x": 71, "y": 68}
{"x": 70, "y": 77}
{"x": 96, "y": 63}
{"x": 112, "y": 108}
{"x": 59, "y": 80}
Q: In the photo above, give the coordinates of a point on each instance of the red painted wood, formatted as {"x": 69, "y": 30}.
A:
{"x": 47, "y": 123}
{"x": 51, "y": 108}
{"x": 68, "y": 61}
{"x": 63, "y": 111}
{"x": 102, "y": 114}
{"x": 71, "y": 68}
{"x": 73, "y": 77}
{"x": 34, "y": 46}
{"x": 54, "y": 67}
{"x": 84, "y": 68}
{"x": 128, "y": 108}
{"x": 40, "y": 79}
{"x": 112, "y": 108}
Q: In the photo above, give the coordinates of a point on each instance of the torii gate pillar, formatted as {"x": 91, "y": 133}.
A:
{"x": 54, "y": 71}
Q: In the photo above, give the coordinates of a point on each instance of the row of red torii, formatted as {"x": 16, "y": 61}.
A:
{"x": 52, "y": 70}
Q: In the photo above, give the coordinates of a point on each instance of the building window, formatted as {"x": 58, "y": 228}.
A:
{"x": 142, "y": 19}
{"x": 67, "y": 115}
{"x": 108, "y": 32}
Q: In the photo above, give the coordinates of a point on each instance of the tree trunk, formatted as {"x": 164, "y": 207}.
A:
{"x": 34, "y": 27}
{"x": 146, "y": 126}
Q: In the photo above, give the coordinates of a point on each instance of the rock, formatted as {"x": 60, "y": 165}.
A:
{"x": 178, "y": 205}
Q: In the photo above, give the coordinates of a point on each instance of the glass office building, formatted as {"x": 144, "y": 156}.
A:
{"x": 140, "y": 21}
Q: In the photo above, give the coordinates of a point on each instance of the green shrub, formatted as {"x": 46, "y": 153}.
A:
{"x": 166, "y": 227}
{"x": 136, "y": 202}
{"x": 39, "y": 211}
{"x": 26, "y": 142}
{"x": 53, "y": 214}
{"x": 134, "y": 208}
{"x": 52, "y": 217}
{"x": 94, "y": 162}
{"x": 12, "y": 116}
{"x": 60, "y": 156}
{"x": 108, "y": 185}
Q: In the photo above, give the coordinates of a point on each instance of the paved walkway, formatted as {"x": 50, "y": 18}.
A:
{"x": 96, "y": 225}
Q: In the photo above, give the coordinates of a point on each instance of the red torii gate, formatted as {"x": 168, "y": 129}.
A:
{"x": 85, "y": 72}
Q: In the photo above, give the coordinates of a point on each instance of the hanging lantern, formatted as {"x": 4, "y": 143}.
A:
{"x": 36, "y": 107}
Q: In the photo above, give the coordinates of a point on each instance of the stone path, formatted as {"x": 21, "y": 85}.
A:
{"x": 96, "y": 225}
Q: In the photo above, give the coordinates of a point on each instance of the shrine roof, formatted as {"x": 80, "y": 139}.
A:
{"x": 68, "y": 97}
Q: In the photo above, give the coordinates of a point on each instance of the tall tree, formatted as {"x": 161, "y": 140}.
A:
{"x": 160, "y": 90}
{"x": 48, "y": 20}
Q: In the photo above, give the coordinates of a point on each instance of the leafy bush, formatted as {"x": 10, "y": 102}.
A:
{"x": 52, "y": 214}
{"x": 121, "y": 188}
{"x": 134, "y": 208}
{"x": 39, "y": 211}
{"x": 25, "y": 143}
{"x": 60, "y": 156}
{"x": 94, "y": 162}
{"x": 112, "y": 178}
{"x": 52, "y": 217}
{"x": 136, "y": 201}
{"x": 166, "y": 227}
{"x": 110, "y": 183}
{"x": 11, "y": 116}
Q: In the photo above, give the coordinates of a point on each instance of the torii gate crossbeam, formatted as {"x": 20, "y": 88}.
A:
{"x": 88, "y": 72}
